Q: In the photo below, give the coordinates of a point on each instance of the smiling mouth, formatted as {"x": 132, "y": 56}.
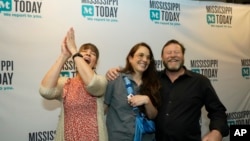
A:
{"x": 173, "y": 60}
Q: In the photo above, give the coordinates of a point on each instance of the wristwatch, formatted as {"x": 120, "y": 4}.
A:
{"x": 76, "y": 55}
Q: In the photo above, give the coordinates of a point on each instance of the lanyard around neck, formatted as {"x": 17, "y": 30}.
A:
{"x": 130, "y": 91}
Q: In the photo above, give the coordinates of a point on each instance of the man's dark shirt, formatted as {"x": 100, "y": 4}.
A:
{"x": 179, "y": 115}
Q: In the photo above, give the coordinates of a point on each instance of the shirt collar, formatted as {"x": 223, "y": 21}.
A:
{"x": 186, "y": 73}
{"x": 127, "y": 75}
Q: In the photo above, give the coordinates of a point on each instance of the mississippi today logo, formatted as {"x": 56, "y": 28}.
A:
{"x": 5, "y": 5}
{"x": 166, "y": 13}
{"x": 219, "y": 16}
{"x": 69, "y": 69}
{"x": 88, "y": 10}
{"x": 105, "y": 10}
{"x": 238, "y": 118}
{"x": 208, "y": 68}
{"x": 21, "y": 8}
{"x": 159, "y": 65}
{"x": 6, "y": 75}
{"x": 245, "y": 63}
{"x": 155, "y": 15}
{"x": 42, "y": 135}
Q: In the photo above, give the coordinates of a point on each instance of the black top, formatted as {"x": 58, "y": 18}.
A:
{"x": 179, "y": 115}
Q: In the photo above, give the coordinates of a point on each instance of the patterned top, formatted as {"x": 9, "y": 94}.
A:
{"x": 96, "y": 88}
{"x": 80, "y": 119}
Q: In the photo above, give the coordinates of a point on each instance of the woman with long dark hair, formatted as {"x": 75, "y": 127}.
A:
{"x": 140, "y": 70}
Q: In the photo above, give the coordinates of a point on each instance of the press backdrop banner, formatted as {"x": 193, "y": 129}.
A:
{"x": 216, "y": 36}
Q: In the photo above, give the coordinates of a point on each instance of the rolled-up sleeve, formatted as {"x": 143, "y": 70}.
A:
{"x": 97, "y": 86}
{"x": 216, "y": 110}
{"x": 55, "y": 92}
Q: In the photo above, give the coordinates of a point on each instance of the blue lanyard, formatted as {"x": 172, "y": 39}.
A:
{"x": 130, "y": 91}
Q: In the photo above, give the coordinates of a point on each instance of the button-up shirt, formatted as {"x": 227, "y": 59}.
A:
{"x": 179, "y": 115}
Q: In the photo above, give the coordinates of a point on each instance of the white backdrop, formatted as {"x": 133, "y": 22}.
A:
{"x": 216, "y": 36}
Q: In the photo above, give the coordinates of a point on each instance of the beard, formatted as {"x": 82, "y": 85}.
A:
{"x": 175, "y": 68}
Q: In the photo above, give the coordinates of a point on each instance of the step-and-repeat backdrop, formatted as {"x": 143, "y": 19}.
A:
{"x": 216, "y": 36}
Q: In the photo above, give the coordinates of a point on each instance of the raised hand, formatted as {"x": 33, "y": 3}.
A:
{"x": 70, "y": 41}
{"x": 64, "y": 50}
